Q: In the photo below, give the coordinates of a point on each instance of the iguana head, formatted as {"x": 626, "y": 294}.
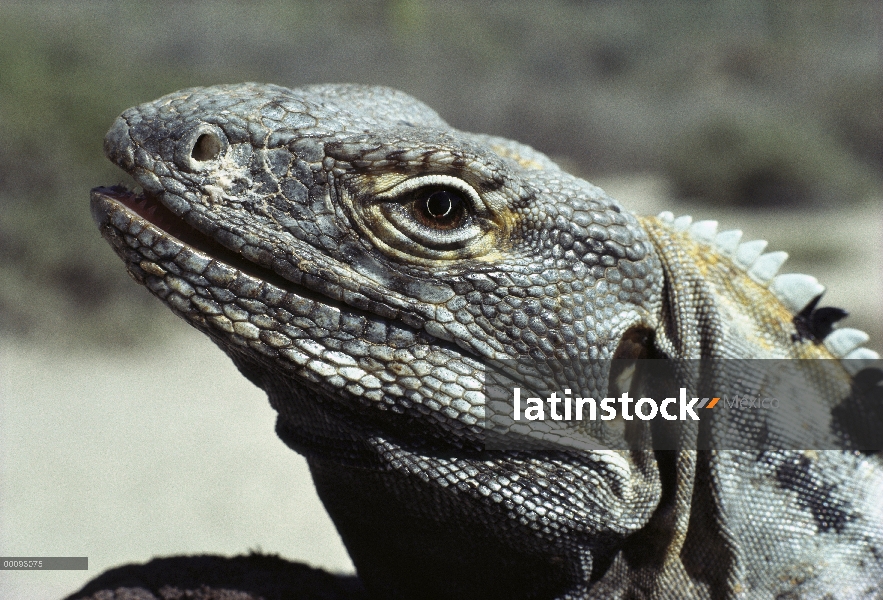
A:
{"x": 363, "y": 208}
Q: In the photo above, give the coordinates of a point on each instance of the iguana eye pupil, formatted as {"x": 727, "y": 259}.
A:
{"x": 440, "y": 209}
{"x": 440, "y": 204}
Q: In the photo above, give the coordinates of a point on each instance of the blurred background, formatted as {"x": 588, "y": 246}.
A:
{"x": 764, "y": 115}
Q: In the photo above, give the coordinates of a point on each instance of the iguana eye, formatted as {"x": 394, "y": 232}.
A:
{"x": 430, "y": 213}
{"x": 435, "y": 217}
{"x": 439, "y": 208}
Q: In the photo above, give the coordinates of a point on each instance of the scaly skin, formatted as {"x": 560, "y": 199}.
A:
{"x": 368, "y": 266}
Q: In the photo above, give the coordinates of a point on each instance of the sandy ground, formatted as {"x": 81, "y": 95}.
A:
{"x": 122, "y": 457}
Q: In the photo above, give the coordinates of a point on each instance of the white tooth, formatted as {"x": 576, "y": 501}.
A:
{"x": 704, "y": 230}
{"x": 682, "y": 223}
{"x": 863, "y": 354}
{"x": 858, "y": 359}
{"x": 748, "y": 252}
{"x": 841, "y": 342}
{"x": 728, "y": 241}
{"x": 765, "y": 268}
{"x": 666, "y": 216}
{"x": 796, "y": 290}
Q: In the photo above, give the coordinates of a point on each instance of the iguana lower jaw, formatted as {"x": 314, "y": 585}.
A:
{"x": 144, "y": 212}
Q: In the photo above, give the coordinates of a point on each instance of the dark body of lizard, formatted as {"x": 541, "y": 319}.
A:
{"x": 366, "y": 265}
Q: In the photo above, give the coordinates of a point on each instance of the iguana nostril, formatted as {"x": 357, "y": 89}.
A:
{"x": 207, "y": 147}
{"x": 200, "y": 146}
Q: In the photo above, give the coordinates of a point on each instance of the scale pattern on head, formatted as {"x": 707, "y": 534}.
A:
{"x": 364, "y": 195}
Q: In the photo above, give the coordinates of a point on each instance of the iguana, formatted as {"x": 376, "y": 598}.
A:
{"x": 370, "y": 267}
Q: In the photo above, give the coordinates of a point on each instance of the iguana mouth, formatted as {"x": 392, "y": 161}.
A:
{"x": 149, "y": 211}
{"x": 149, "y": 208}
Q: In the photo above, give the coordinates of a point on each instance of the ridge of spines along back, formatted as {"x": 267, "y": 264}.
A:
{"x": 799, "y": 292}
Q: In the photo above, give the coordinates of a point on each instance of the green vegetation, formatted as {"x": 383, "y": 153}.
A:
{"x": 756, "y": 160}
{"x": 754, "y": 103}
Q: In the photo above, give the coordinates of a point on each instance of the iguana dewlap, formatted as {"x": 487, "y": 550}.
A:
{"x": 368, "y": 266}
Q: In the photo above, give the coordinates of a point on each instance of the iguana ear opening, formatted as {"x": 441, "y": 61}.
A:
{"x": 636, "y": 342}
